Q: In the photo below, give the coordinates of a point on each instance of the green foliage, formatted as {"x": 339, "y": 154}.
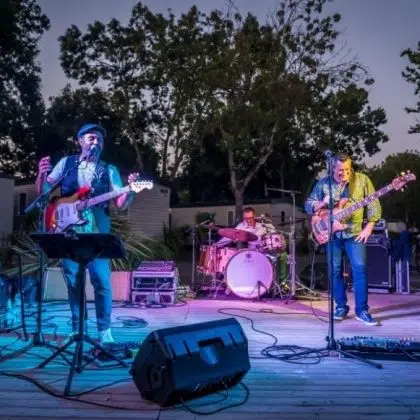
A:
{"x": 72, "y": 108}
{"x": 412, "y": 75}
{"x": 138, "y": 248}
{"x": 399, "y": 205}
{"x": 21, "y": 107}
{"x": 22, "y": 243}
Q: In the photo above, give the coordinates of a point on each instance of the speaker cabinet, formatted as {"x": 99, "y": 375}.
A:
{"x": 180, "y": 363}
{"x": 379, "y": 267}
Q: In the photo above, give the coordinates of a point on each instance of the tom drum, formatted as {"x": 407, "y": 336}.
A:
{"x": 273, "y": 242}
{"x": 207, "y": 259}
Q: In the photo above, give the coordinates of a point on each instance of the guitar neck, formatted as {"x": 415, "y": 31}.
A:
{"x": 362, "y": 203}
{"x": 105, "y": 197}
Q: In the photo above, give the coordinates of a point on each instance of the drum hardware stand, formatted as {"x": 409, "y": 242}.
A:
{"x": 258, "y": 287}
{"x": 193, "y": 231}
{"x": 292, "y": 238}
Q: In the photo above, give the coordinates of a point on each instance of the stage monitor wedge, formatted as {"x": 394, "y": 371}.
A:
{"x": 180, "y": 363}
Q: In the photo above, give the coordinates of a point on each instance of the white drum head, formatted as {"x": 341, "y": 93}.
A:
{"x": 247, "y": 272}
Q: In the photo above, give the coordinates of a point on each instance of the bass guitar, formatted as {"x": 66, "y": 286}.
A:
{"x": 320, "y": 222}
{"x": 63, "y": 213}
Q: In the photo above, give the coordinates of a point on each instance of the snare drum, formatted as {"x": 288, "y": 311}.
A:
{"x": 249, "y": 274}
{"x": 273, "y": 242}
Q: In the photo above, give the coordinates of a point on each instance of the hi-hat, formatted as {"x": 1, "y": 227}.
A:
{"x": 238, "y": 235}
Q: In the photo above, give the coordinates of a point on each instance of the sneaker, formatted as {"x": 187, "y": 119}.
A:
{"x": 340, "y": 313}
{"x": 106, "y": 336}
{"x": 366, "y": 318}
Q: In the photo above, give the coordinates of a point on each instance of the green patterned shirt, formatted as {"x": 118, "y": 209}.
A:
{"x": 362, "y": 187}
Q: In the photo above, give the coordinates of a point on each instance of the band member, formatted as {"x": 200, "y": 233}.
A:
{"x": 248, "y": 224}
{"x": 87, "y": 169}
{"x": 355, "y": 186}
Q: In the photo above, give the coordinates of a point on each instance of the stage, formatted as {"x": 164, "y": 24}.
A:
{"x": 325, "y": 387}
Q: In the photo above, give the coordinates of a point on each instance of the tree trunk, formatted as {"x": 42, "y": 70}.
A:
{"x": 139, "y": 159}
{"x": 282, "y": 177}
{"x": 239, "y": 204}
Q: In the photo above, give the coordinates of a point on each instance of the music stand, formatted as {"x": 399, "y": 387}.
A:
{"x": 81, "y": 248}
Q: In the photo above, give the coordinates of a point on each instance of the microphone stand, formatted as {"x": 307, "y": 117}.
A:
{"x": 41, "y": 202}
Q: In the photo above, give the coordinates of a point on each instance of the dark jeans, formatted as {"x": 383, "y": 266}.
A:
{"x": 356, "y": 253}
{"x": 100, "y": 277}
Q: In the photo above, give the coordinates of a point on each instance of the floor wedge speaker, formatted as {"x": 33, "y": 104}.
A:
{"x": 180, "y": 363}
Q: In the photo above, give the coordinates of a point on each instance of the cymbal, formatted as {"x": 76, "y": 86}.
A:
{"x": 238, "y": 235}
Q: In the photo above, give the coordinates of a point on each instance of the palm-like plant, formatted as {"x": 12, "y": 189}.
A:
{"x": 138, "y": 248}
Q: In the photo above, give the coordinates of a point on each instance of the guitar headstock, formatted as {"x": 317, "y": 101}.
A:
{"x": 138, "y": 186}
{"x": 399, "y": 182}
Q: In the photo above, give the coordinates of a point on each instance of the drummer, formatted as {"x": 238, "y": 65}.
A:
{"x": 248, "y": 224}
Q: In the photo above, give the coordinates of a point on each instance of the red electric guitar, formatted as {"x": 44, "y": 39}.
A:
{"x": 63, "y": 213}
{"x": 320, "y": 221}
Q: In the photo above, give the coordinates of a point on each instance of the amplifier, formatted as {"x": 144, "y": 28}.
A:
{"x": 155, "y": 281}
{"x": 380, "y": 226}
{"x": 378, "y": 266}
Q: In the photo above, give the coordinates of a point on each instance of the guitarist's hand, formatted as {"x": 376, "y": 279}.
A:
{"x": 133, "y": 177}
{"x": 365, "y": 233}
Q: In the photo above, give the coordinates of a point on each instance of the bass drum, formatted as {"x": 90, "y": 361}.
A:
{"x": 249, "y": 273}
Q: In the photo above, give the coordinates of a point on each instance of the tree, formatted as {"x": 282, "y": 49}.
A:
{"x": 73, "y": 108}
{"x": 21, "y": 107}
{"x": 399, "y": 205}
{"x": 345, "y": 122}
{"x": 412, "y": 75}
{"x": 268, "y": 81}
{"x": 151, "y": 68}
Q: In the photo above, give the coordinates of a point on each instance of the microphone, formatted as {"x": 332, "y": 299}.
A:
{"x": 93, "y": 150}
{"x": 328, "y": 153}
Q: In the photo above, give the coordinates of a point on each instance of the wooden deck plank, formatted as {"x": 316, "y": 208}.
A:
{"x": 334, "y": 387}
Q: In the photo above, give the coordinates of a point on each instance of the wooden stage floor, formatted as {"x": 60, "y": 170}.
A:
{"x": 334, "y": 388}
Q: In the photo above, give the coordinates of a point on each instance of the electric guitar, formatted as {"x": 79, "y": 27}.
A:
{"x": 320, "y": 221}
{"x": 62, "y": 213}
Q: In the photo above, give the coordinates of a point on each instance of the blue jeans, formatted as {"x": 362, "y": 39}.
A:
{"x": 100, "y": 277}
{"x": 356, "y": 253}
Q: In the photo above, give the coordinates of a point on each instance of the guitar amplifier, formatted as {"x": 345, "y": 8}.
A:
{"x": 155, "y": 282}
{"x": 378, "y": 264}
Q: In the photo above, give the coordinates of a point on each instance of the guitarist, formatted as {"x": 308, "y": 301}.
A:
{"x": 353, "y": 186}
{"x": 88, "y": 170}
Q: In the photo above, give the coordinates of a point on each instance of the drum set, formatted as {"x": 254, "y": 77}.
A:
{"x": 247, "y": 272}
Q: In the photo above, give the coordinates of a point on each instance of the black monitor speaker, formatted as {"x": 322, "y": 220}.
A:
{"x": 180, "y": 363}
